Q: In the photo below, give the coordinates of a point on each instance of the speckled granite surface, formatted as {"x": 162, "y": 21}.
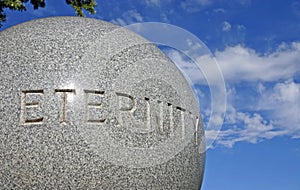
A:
{"x": 85, "y": 104}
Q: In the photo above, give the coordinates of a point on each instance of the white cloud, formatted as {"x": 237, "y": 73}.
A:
{"x": 153, "y": 2}
{"x": 241, "y": 27}
{"x": 226, "y": 26}
{"x": 240, "y": 63}
{"x": 282, "y": 104}
{"x": 187, "y": 67}
{"x": 119, "y": 21}
{"x": 274, "y": 112}
{"x": 164, "y": 18}
{"x": 244, "y": 127}
{"x": 129, "y": 17}
{"x": 194, "y": 5}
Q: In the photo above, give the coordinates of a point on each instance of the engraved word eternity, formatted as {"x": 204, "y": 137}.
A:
{"x": 157, "y": 115}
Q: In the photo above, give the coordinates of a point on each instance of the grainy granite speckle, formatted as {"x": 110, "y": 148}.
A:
{"x": 85, "y": 104}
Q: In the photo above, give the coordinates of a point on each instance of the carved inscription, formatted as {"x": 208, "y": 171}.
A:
{"x": 195, "y": 120}
{"x": 122, "y": 108}
{"x": 181, "y": 111}
{"x": 156, "y": 113}
{"x": 63, "y": 106}
{"x": 25, "y": 105}
{"x": 163, "y": 117}
{"x": 93, "y": 105}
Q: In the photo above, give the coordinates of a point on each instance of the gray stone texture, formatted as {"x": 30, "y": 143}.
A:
{"x": 85, "y": 104}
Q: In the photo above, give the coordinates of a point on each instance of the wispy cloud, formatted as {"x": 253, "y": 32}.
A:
{"x": 246, "y": 127}
{"x": 194, "y": 5}
{"x": 153, "y": 2}
{"x": 226, "y": 26}
{"x": 296, "y": 8}
{"x": 275, "y": 109}
{"x": 281, "y": 101}
{"x": 129, "y": 17}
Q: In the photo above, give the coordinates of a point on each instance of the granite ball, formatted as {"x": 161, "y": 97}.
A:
{"x": 86, "y": 104}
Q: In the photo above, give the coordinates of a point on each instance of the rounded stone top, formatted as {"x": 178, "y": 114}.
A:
{"x": 85, "y": 104}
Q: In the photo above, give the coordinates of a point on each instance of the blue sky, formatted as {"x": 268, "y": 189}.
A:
{"x": 257, "y": 46}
